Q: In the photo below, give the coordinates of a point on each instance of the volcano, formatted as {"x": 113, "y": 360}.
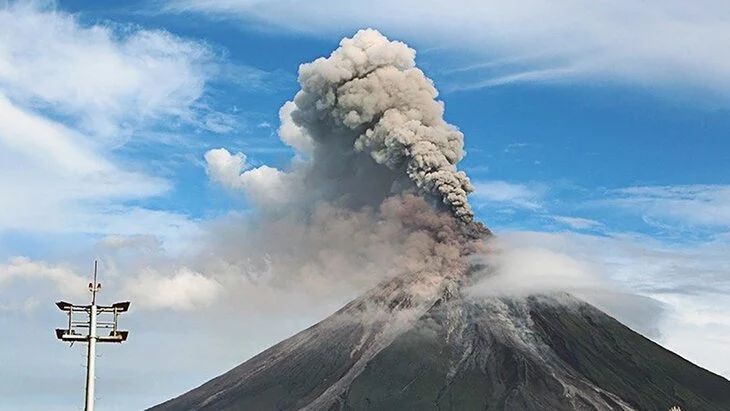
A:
{"x": 419, "y": 343}
{"x": 376, "y": 192}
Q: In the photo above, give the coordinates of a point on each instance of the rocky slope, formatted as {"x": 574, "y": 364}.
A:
{"x": 419, "y": 344}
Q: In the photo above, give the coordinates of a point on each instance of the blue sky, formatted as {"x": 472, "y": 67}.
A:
{"x": 600, "y": 134}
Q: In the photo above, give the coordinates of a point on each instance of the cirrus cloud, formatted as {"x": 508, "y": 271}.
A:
{"x": 666, "y": 44}
{"x": 71, "y": 94}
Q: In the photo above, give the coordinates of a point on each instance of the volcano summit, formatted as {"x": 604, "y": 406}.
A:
{"x": 412, "y": 344}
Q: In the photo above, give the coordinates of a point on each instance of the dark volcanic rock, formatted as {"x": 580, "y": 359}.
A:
{"x": 420, "y": 345}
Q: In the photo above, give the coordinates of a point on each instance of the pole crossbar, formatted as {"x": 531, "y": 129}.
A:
{"x": 91, "y": 336}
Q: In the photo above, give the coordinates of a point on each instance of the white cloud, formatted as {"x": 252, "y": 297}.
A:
{"x": 139, "y": 241}
{"x": 70, "y": 93}
{"x": 28, "y": 134}
{"x": 655, "y": 43}
{"x": 647, "y": 265}
{"x": 577, "y": 222}
{"x": 682, "y": 205}
{"x": 150, "y": 285}
{"x": 37, "y": 272}
{"x": 695, "y": 210}
{"x": 695, "y": 316}
{"x": 503, "y": 193}
{"x": 515, "y": 147}
{"x": 183, "y": 290}
{"x": 219, "y": 123}
{"x": 225, "y": 168}
{"x": 43, "y": 156}
{"x": 291, "y": 134}
{"x": 263, "y": 185}
{"x": 656, "y": 288}
{"x": 107, "y": 78}
{"x": 39, "y": 197}
{"x": 252, "y": 79}
{"x": 526, "y": 270}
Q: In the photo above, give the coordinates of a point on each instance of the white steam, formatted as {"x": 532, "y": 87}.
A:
{"x": 524, "y": 264}
{"x": 528, "y": 269}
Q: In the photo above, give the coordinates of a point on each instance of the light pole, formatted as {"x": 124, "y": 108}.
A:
{"x": 91, "y": 324}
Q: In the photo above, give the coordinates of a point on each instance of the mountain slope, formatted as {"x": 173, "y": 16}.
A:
{"x": 415, "y": 344}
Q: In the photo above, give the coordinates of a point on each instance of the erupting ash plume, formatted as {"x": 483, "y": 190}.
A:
{"x": 368, "y": 106}
{"x": 374, "y": 189}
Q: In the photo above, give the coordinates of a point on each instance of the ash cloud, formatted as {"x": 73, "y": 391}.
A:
{"x": 374, "y": 121}
{"x": 372, "y": 192}
{"x": 334, "y": 253}
{"x": 369, "y": 126}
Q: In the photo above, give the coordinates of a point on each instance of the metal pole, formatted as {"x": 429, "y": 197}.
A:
{"x": 91, "y": 363}
{"x": 90, "y": 333}
{"x": 91, "y": 357}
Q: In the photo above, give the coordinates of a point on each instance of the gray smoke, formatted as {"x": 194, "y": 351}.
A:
{"x": 374, "y": 125}
{"x": 373, "y": 192}
{"x": 335, "y": 251}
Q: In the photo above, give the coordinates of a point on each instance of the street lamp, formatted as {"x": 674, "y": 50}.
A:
{"x": 86, "y": 330}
